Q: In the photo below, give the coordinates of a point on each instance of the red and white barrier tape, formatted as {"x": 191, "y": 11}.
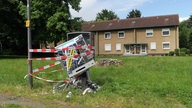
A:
{"x": 48, "y": 72}
{"x": 43, "y": 50}
{"x": 46, "y": 80}
{"x": 51, "y": 58}
{"x": 36, "y": 71}
{"x": 47, "y": 66}
{"x": 77, "y": 47}
{"x": 55, "y": 51}
{"x": 62, "y": 57}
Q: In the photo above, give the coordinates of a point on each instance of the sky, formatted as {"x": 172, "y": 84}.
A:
{"x": 90, "y": 8}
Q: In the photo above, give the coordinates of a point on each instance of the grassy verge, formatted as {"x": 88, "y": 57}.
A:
{"x": 140, "y": 82}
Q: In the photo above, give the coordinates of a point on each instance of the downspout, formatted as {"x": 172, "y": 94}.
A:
{"x": 177, "y": 27}
{"x": 134, "y": 33}
{"x": 135, "y": 37}
{"x": 98, "y": 43}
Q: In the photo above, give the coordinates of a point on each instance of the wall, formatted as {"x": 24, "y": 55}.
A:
{"x": 136, "y": 36}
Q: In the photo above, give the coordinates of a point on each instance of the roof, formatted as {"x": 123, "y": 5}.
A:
{"x": 131, "y": 23}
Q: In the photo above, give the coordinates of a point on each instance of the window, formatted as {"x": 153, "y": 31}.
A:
{"x": 149, "y": 32}
{"x": 107, "y": 35}
{"x": 143, "y": 48}
{"x": 153, "y": 45}
{"x": 121, "y": 34}
{"x": 165, "y": 32}
{"x": 127, "y": 48}
{"x": 107, "y": 47}
{"x": 118, "y": 46}
{"x": 166, "y": 45}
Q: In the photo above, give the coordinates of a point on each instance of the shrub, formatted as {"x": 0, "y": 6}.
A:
{"x": 183, "y": 50}
{"x": 182, "y": 54}
{"x": 171, "y": 53}
{"x": 177, "y": 52}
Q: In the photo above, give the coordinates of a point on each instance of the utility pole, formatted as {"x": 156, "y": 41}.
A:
{"x": 28, "y": 25}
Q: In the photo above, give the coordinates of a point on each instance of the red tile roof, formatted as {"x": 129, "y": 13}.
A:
{"x": 143, "y": 22}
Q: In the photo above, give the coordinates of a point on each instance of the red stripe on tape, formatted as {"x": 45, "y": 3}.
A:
{"x": 52, "y": 64}
{"x": 43, "y": 50}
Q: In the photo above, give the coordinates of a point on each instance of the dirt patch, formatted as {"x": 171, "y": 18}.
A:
{"x": 108, "y": 62}
{"x": 6, "y": 99}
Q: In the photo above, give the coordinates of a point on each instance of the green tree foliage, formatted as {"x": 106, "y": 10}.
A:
{"x": 190, "y": 43}
{"x": 12, "y": 31}
{"x": 184, "y": 33}
{"x": 134, "y": 14}
{"x": 50, "y": 19}
{"x": 105, "y": 15}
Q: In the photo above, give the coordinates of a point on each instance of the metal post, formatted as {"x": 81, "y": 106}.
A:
{"x": 29, "y": 43}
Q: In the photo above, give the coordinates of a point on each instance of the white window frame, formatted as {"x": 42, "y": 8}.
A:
{"x": 127, "y": 49}
{"x": 107, "y": 47}
{"x": 123, "y": 34}
{"x": 165, "y": 30}
{"x": 143, "y": 49}
{"x": 107, "y": 35}
{"x": 149, "y": 31}
{"x": 118, "y": 47}
{"x": 165, "y": 43}
{"x": 153, "y": 46}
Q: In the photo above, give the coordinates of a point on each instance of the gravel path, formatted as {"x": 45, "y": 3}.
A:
{"x": 26, "y": 102}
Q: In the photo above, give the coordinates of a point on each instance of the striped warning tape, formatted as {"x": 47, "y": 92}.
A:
{"x": 77, "y": 47}
{"x": 51, "y": 58}
{"x": 48, "y": 72}
{"x": 62, "y": 57}
{"x": 36, "y": 71}
{"x": 55, "y": 51}
{"x": 43, "y": 50}
{"x": 51, "y": 81}
{"x": 47, "y": 66}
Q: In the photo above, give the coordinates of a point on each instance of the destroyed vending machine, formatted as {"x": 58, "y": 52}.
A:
{"x": 79, "y": 60}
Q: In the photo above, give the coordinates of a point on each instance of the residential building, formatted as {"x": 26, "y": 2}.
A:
{"x": 156, "y": 35}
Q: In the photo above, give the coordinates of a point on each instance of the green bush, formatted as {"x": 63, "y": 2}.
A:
{"x": 177, "y": 52}
{"x": 183, "y": 50}
{"x": 188, "y": 52}
{"x": 171, "y": 53}
{"x": 182, "y": 54}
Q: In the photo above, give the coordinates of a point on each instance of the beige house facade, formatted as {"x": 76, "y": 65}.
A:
{"x": 157, "y": 35}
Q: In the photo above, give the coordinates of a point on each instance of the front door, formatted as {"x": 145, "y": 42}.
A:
{"x": 138, "y": 48}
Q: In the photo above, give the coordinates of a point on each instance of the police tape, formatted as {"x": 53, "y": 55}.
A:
{"x": 55, "y": 51}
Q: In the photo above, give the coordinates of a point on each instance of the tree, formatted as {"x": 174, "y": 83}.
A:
{"x": 12, "y": 31}
{"x": 134, "y": 14}
{"x": 51, "y": 19}
{"x": 190, "y": 43}
{"x": 184, "y": 33}
{"x": 105, "y": 15}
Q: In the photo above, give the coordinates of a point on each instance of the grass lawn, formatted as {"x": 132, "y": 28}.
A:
{"x": 152, "y": 82}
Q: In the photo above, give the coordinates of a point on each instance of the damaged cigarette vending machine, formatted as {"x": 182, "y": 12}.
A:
{"x": 79, "y": 59}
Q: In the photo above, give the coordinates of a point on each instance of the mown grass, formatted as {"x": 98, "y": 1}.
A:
{"x": 159, "y": 82}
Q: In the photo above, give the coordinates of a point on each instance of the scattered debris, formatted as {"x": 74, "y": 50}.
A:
{"x": 108, "y": 62}
{"x": 68, "y": 94}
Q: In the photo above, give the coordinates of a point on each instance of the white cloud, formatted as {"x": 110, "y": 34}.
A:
{"x": 183, "y": 19}
{"x": 91, "y": 7}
